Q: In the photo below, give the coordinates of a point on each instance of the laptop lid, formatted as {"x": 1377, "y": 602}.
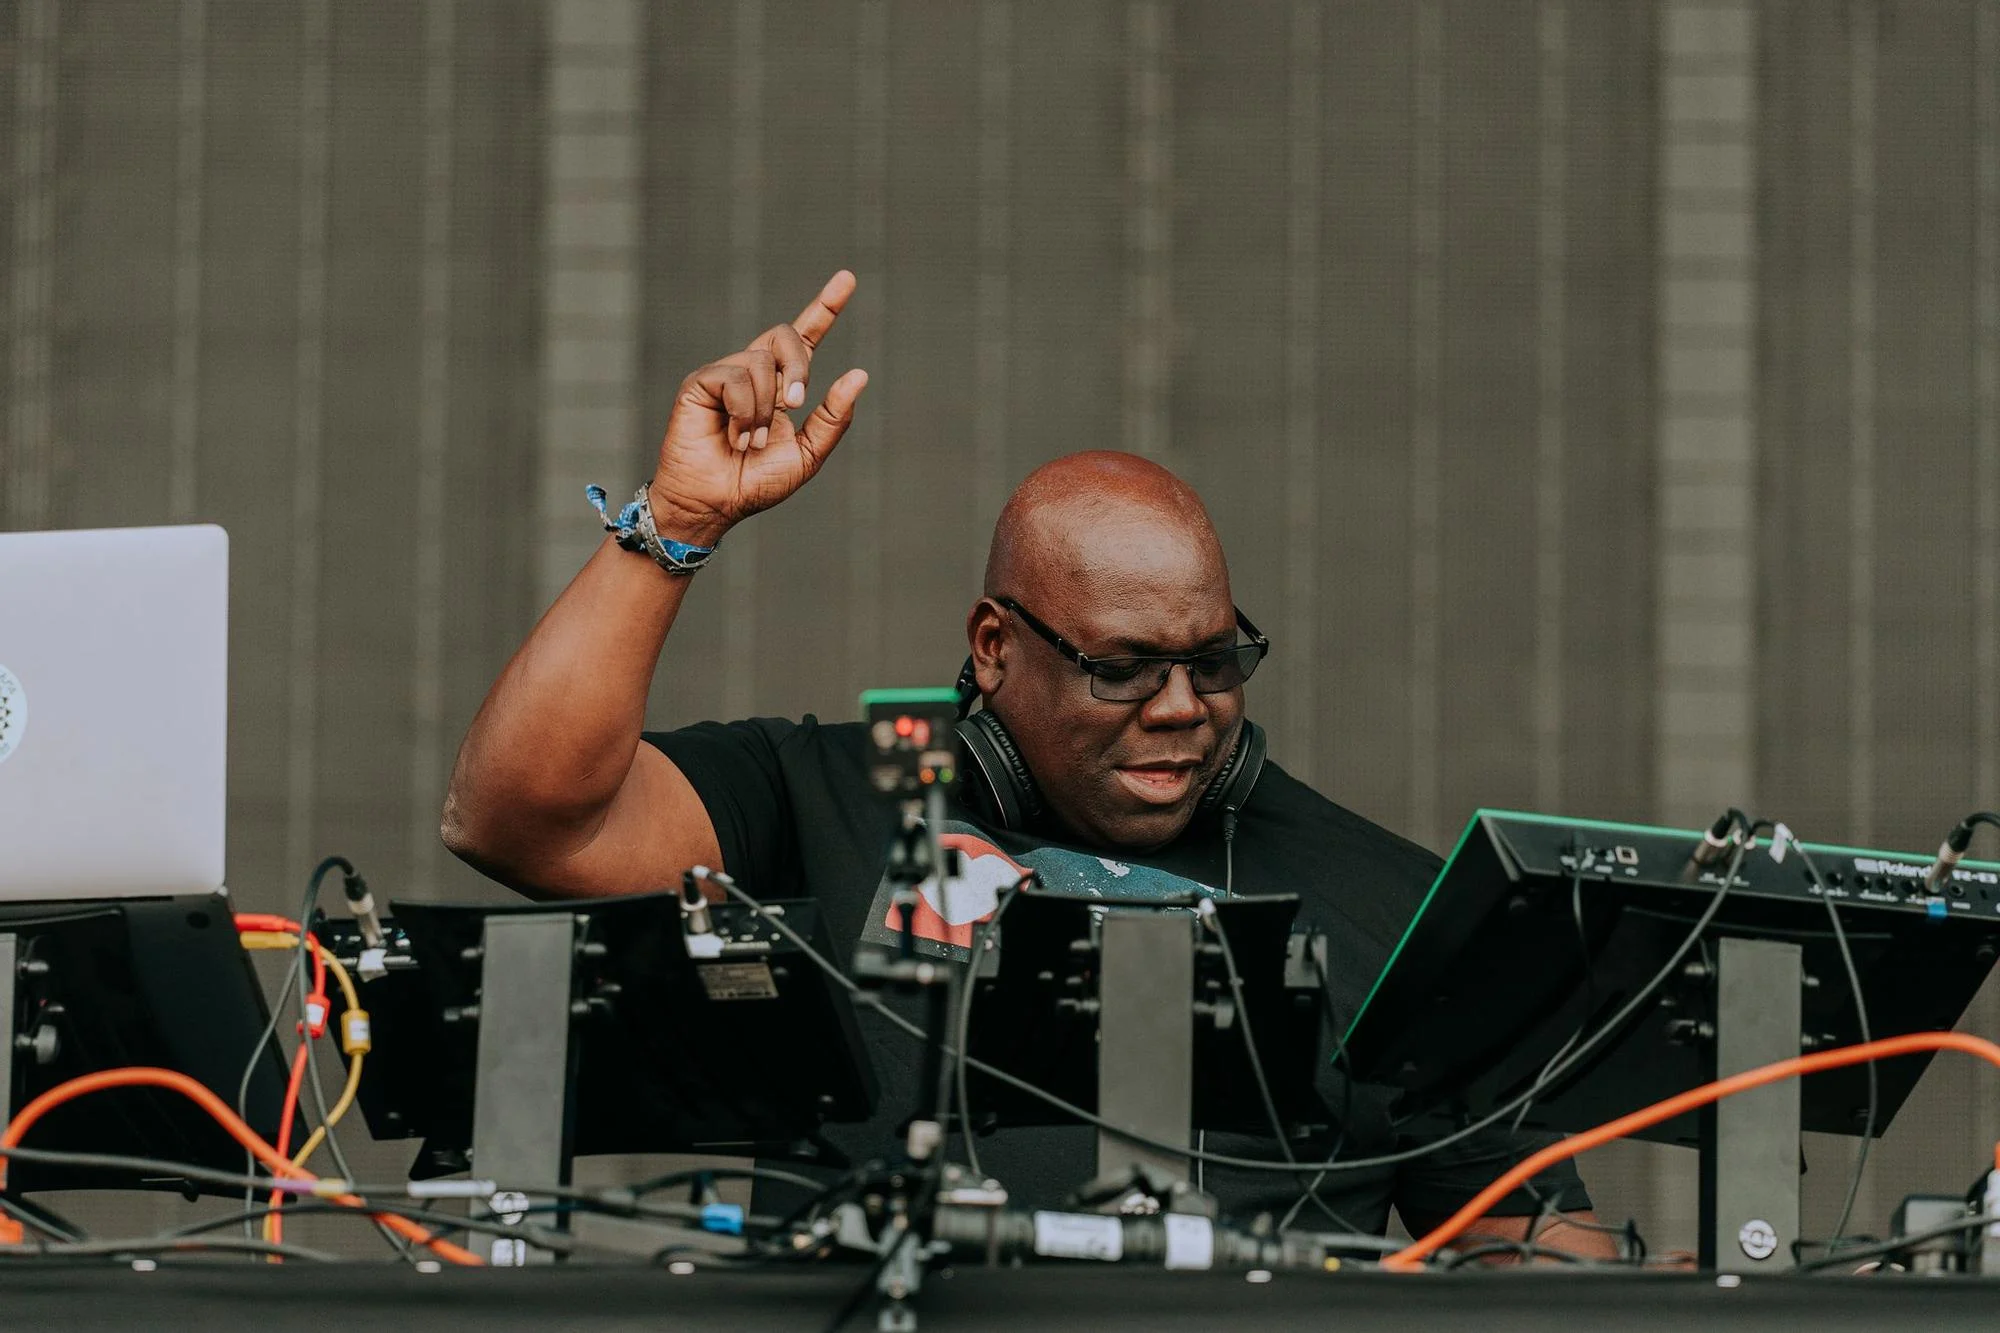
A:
{"x": 114, "y": 649}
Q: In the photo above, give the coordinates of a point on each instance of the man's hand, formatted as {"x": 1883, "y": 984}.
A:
{"x": 731, "y": 448}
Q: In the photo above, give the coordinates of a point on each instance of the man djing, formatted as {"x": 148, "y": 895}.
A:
{"x": 1106, "y": 648}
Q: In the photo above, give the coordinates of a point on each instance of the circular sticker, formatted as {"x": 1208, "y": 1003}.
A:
{"x": 13, "y": 713}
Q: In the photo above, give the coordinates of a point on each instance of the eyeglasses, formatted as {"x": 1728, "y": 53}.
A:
{"x": 1126, "y": 680}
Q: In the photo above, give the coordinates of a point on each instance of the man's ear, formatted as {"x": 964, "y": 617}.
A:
{"x": 986, "y": 635}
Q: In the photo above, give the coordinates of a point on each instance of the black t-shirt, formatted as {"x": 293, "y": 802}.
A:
{"x": 795, "y": 816}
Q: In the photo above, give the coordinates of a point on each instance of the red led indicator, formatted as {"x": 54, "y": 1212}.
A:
{"x": 905, "y": 725}
{"x": 921, "y": 733}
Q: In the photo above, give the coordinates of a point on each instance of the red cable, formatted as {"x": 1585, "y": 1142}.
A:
{"x": 290, "y": 1109}
{"x": 273, "y": 1161}
{"x": 1411, "y": 1256}
{"x": 270, "y": 921}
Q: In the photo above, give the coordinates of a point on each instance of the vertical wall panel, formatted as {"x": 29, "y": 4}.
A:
{"x": 1804, "y": 224}
{"x": 1229, "y": 379}
{"x": 1362, "y": 656}
{"x": 1489, "y": 412}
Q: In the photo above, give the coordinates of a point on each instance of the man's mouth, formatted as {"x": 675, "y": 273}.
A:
{"x": 1163, "y": 783}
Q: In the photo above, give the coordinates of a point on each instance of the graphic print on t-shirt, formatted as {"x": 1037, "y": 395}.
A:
{"x": 985, "y": 872}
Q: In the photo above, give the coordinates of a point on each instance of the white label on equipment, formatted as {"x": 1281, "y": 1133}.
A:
{"x": 1079, "y": 1236}
{"x": 13, "y": 713}
{"x": 738, "y": 981}
{"x": 507, "y": 1252}
{"x": 1781, "y": 838}
{"x": 1190, "y": 1241}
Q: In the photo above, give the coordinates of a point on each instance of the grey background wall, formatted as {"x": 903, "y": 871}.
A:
{"x": 1600, "y": 399}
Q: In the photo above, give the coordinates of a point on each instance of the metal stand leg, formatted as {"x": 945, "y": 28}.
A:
{"x": 1145, "y": 1050}
{"x": 1750, "y": 1142}
{"x": 521, "y": 1114}
{"x": 10, "y": 985}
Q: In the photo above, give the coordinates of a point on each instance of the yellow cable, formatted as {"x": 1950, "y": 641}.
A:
{"x": 355, "y": 1037}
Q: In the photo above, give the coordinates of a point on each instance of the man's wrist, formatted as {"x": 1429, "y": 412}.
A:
{"x": 675, "y": 523}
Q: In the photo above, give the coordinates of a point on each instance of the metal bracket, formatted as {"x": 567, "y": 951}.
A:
{"x": 1750, "y": 1142}
{"x": 523, "y": 1097}
{"x": 1145, "y": 1050}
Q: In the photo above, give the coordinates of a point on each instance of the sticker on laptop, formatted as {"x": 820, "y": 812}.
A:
{"x": 13, "y": 713}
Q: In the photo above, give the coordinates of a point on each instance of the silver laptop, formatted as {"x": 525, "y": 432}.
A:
{"x": 114, "y": 648}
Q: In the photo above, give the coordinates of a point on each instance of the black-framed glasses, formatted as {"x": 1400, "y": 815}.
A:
{"x": 1127, "y": 680}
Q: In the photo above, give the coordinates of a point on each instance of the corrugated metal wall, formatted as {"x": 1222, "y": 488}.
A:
{"x": 1600, "y": 400}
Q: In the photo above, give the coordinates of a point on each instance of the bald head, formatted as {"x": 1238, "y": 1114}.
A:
{"x": 1112, "y": 557}
{"x": 1100, "y": 516}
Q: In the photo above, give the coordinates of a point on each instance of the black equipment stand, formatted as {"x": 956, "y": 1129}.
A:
{"x": 1123, "y": 1006}
{"x": 1540, "y": 930}
{"x": 100, "y": 984}
{"x": 514, "y": 1039}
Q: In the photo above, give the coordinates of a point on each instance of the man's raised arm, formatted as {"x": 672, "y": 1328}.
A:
{"x": 554, "y": 791}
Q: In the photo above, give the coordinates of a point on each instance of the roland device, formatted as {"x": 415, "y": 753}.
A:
{"x": 1544, "y": 936}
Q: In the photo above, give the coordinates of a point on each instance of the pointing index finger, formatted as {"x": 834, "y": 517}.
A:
{"x": 816, "y": 320}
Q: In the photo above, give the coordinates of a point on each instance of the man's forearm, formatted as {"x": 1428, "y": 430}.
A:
{"x": 555, "y": 737}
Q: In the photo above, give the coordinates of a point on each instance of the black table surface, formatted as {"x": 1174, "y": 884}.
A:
{"x": 1043, "y": 1298}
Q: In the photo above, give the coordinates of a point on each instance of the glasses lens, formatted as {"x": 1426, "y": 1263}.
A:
{"x": 1226, "y": 670}
{"x": 1124, "y": 680}
{"x": 1127, "y": 680}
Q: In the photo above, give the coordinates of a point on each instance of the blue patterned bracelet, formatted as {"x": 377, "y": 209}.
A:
{"x": 635, "y": 531}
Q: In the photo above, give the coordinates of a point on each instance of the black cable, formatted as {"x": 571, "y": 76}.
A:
{"x": 859, "y": 1296}
{"x": 540, "y": 1237}
{"x": 1884, "y": 1248}
{"x": 1341, "y": 1061}
{"x": 42, "y": 1219}
{"x": 962, "y": 1021}
{"x": 693, "y": 1174}
{"x": 295, "y": 975}
{"x": 1610, "y": 1028}
{"x": 1519, "y": 1249}
{"x": 1861, "y": 1014}
{"x": 1213, "y": 920}
{"x": 120, "y": 1249}
{"x": 1590, "y": 993}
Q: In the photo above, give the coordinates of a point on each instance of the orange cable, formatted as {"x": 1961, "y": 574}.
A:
{"x": 274, "y": 1222}
{"x": 271, "y": 921}
{"x": 1411, "y": 1256}
{"x": 273, "y": 1160}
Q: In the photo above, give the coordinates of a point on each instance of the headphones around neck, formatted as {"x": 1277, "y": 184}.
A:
{"x": 998, "y": 780}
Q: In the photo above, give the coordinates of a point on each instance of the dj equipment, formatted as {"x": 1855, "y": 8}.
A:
{"x": 519, "y": 1037}
{"x": 92, "y": 986}
{"x": 1000, "y": 784}
{"x": 1128, "y": 1008}
{"x": 114, "y": 655}
{"x": 1542, "y": 933}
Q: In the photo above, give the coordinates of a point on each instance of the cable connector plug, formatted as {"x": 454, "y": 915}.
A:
{"x": 1950, "y": 852}
{"x": 362, "y": 904}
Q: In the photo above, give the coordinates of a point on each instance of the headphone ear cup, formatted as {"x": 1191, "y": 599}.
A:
{"x": 1231, "y": 787}
{"x": 1011, "y": 795}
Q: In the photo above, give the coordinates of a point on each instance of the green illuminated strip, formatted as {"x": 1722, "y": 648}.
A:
{"x": 932, "y": 694}
{"x": 1607, "y": 826}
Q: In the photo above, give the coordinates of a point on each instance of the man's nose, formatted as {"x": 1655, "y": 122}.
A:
{"x": 1176, "y": 705}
